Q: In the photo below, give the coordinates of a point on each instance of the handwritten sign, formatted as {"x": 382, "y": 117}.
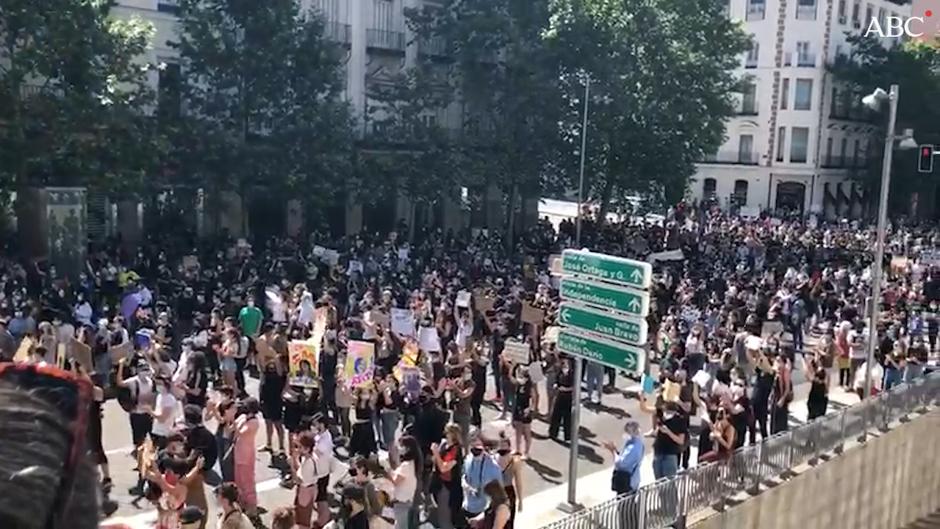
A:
{"x": 118, "y": 352}
{"x": 463, "y": 299}
{"x": 360, "y": 364}
{"x": 303, "y": 363}
{"x": 403, "y": 322}
{"x": 516, "y": 351}
{"x": 532, "y": 314}
{"x": 23, "y": 352}
{"x": 81, "y": 354}
{"x": 428, "y": 339}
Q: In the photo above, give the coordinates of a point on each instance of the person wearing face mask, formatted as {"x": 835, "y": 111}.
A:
{"x": 447, "y": 459}
{"x": 323, "y": 452}
{"x": 510, "y": 466}
{"x": 405, "y": 480}
{"x": 523, "y": 410}
{"x": 561, "y": 408}
{"x": 671, "y": 430}
{"x": 165, "y": 412}
{"x": 781, "y": 396}
{"x": 353, "y": 511}
{"x": 304, "y": 467}
{"x": 627, "y": 460}
{"x": 462, "y": 391}
{"x": 479, "y": 468}
{"x": 82, "y": 311}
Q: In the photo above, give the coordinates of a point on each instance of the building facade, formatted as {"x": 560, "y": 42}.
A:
{"x": 800, "y": 137}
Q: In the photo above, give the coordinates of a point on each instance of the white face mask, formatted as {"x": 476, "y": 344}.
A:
{"x": 668, "y": 415}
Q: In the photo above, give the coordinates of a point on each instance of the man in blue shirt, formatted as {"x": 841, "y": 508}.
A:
{"x": 627, "y": 460}
{"x": 478, "y": 469}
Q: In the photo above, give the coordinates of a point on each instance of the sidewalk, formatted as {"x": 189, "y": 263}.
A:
{"x": 541, "y": 509}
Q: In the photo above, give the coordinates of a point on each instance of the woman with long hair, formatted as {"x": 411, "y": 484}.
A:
{"x": 231, "y": 515}
{"x": 225, "y": 438}
{"x": 523, "y": 409}
{"x": 723, "y": 435}
{"x": 510, "y": 466}
{"x": 196, "y": 383}
{"x": 447, "y": 460}
{"x": 405, "y": 478}
{"x": 498, "y": 512}
{"x": 245, "y": 452}
{"x": 363, "y": 435}
{"x": 304, "y": 468}
{"x": 227, "y": 352}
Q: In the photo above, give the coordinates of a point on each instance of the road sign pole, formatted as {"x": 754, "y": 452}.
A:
{"x": 572, "y": 504}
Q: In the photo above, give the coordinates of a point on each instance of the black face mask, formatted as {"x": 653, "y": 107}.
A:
{"x": 476, "y": 451}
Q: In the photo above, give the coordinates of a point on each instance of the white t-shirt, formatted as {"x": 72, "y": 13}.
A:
{"x": 324, "y": 452}
{"x": 168, "y": 406}
{"x": 857, "y": 343}
{"x": 408, "y": 484}
{"x": 464, "y": 331}
{"x": 308, "y": 472}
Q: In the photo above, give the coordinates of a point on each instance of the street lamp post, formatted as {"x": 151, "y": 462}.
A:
{"x": 873, "y": 101}
{"x": 572, "y": 505}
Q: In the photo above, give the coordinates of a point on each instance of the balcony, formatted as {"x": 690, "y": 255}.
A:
{"x": 385, "y": 40}
{"x": 756, "y": 11}
{"x": 806, "y": 60}
{"x": 337, "y": 32}
{"x": 434, "y": 46}
{"x": 732, "y": 157}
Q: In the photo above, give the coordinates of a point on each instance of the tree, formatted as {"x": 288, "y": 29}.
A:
{"x": 507, "y": 81}
{"x": 915, "y": 68}
{"x": 661, "y": 83}
{"x": 414, "y": 153}
{"x": 262, "y": 99}
{"x": 73, "y": 96}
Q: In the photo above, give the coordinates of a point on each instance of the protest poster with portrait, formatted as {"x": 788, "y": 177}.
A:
{"x": 303, "y": 363}
{"x": 360, "y": 364}
{"x": 411, "y": 381}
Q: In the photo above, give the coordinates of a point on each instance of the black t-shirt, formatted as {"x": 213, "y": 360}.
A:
{"x": 664, "y": 445}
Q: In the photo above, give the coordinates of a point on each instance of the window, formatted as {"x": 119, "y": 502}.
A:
{"x": 829, "y": 151}
{"x": 842, "y": 18}
{"x": 857, "y": 153}
{"x": 745, "y": 149}
{"x": 806, "y": 9}
{"x": 739, "y": 197}
{"x": 881, "y": 16}
{"x": 869, "y": 10}
{"x": 781, "y": 142}
{"x": 803, "y": 56}
{"x": 168, "y": 6}
{"x": 709, "y": 188}
{"x": 756, "y": 9}
{"x": 785, "y": 94}
{"x": 843, "y": 149}
{"x": 799, "y": 143}
{"x": 169, "y": 91}
{"x": 749, "y": 100}
{"x": 804, "y": 94}
{"x": 752, "y": 55}
{"x": 836, "y": 109}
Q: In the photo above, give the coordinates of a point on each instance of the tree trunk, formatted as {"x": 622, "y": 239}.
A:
{"x": 605, "y": 201}
{"x": 511, "y": 213}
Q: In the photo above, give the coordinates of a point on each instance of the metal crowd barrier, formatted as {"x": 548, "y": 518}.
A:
{"x": 669, "y": 502}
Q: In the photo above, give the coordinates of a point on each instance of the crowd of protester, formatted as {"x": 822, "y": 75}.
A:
{"x": 175, "y": 330}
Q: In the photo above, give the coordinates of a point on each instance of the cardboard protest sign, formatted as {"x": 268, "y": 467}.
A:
{"x": 118, "y": 352}
{"x": 516, "y": 351}
{"x": 303, "y": 363}
{"x": 190, "y": 262}
{"x": 536, "y": 374}
{"x": 428, "y": 339}
{"x": 354, "y": 267}
{"x": 380, "y": 318}
{"x": 403, "y": 254}
{"x": 81, "y": 354}
{"x": 403, "y": 322}
{"x": 671, "y": 391}
{"x": 484, "y": 301}
{"x": 24, "y": 350}
{"x": 331, "y": 257}
{"x": 532, "y": 314}
{"x": 360, "y": 364}
{"x": 463, "y": 299}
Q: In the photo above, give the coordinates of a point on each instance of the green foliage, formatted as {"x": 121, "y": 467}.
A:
{"x": 661, "y": 84}
{"x": 71, "y": 92}
{"x": 262, "y": 99}
{"x": 915, "y": 68}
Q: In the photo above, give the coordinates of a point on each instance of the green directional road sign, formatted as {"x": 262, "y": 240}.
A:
{"x": 607, "y": 268}
{"x": 611, "y": 325}
{"x": 632, "y": 302}
{"x": 616, "y": 355}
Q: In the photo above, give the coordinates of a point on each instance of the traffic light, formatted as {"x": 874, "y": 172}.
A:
{"x": 925, "y": 159}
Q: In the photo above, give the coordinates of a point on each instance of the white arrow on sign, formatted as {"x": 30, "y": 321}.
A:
{"x": 635, "y": 305}
{"x": 637, "y": 276}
